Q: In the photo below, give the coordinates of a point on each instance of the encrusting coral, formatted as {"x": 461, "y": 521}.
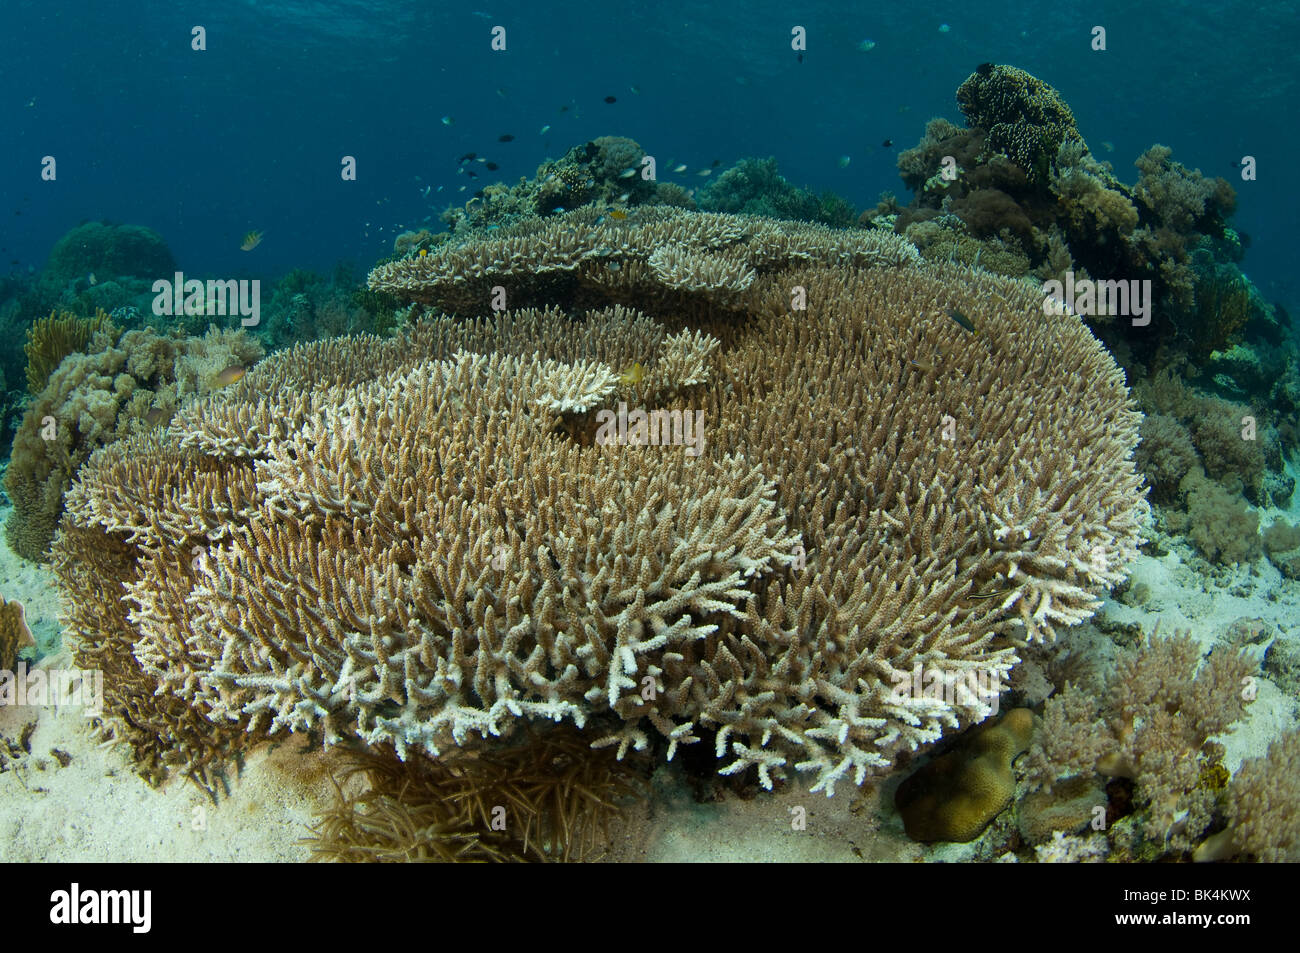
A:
{"x": 424, "y": 542}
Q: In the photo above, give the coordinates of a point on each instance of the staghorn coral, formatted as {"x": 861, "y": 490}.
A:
{"x": 52, "y": 339}
{"x": 548, "y": 798}
{"x": 124, "y": 384}
{"x": 417, "y": 542}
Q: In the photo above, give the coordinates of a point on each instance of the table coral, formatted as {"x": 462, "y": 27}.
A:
{"x": 417, "y": 542}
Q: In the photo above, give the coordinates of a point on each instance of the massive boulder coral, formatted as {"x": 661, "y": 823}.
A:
{"x": 424, "y": 541}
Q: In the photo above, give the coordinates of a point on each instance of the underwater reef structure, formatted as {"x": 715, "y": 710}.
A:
{"x": 1018, "y": 190}
{"x": 1151, "y": 723}
{"x": 113, "y": 384}
{"x": 842, "y": 465}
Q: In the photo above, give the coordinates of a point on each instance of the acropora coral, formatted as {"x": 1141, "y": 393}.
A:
{"x": 419, "y": 542}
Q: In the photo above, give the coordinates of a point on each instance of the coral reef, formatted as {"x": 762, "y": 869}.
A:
{"x": 956, "y": 795}
{"x": 121, "y": 384}
{"x": 305, "y": 306}
{"x": 52, "y": 339}
{"x": 1165, "y": 456}
{"x": 661, "y": 258}
{"x": 1021, "y": 178}
{"x": 420, "y": 542}
{"x": 1025, "y": 118}
{"x": 1152, "y": 725}
{"x": 548, "y": 799}
{"x": 756, "y": 187}
{"x": 1217, "y": 521}
{"x": 1263, "y": 812}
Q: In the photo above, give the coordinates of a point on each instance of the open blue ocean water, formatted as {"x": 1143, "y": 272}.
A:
{"x": 206, "y": 146}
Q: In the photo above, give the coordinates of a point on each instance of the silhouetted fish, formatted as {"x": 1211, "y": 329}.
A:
{"x": 611, "y": 99}
{"x": 506, "y": 138}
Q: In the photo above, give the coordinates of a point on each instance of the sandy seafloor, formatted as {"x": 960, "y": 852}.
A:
{"x": 96, "y": 808}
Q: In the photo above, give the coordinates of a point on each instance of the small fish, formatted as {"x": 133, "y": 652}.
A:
{"x": 705, "y": 172}
{"x": 467, "y": 157}
{"x": 1108, "y": 146}
{"x": 544, "y": 130}
{"x": 964, "y": 321}
{"x": 423, "y": 252}
{"x": 866, "y": 46}
{"x": 564, "y": 109}
{"x": 426, "y": 191}
{"x": 716, "y": 163}
{"x": 251, "y": 241}
{"x": 617, "y": 214}
{"x": 611, "y": 99}
{"x": 634, "y": 373}
{"x": 506, "y": 138}
{"x": 558, "y": 208}
{"x": 635, "y": 91}
{"x": 231, "y": 374}
{"x": 156, "y": 417}
{"x": 492, "y": 166}
{"x": 613, "y": 266}
{"x": 843, "y": 161}
{"x": 680, "y": 168}
{"x": 624, "y": 197}
{"x": 471, "y": 173}
{"x": 481, "y": 159}
{"x": 627, "y": 173}
{"x": 888, "y": 143}
{"x": 447, "y": 120}
{"x": 991, "y": 594}
{"x": 502, "y": 92}
{"x": 944, "y": 28}
{"x": 91, "y": 278}
{"x": 461, "y": 189}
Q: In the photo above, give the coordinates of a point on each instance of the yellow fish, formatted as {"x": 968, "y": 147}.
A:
{"x": 251, "y": 241}
{"x": 423, "y": 252}
{"x": 231, "y": 374}
{"x": 632, "y": 375}
{"x": 618, "y": 214}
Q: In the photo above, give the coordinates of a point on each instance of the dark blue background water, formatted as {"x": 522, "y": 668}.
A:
{"x": 205, "y": 146}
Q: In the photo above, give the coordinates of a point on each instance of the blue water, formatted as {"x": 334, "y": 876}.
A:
{"x": 206, "y": 146}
